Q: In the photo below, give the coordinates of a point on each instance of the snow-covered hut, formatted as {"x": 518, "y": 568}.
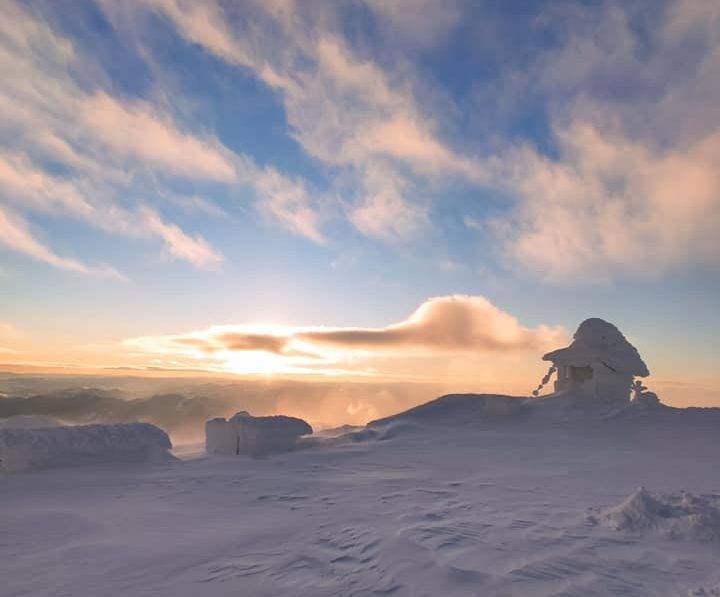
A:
{"x": 245, "y": 434}
{"x": 600, "y": 362}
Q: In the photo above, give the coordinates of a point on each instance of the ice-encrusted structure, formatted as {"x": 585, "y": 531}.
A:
{"x": 45, "y": 447}
{"x": 684, "y": 516}
{"x": 599, "y": 362}
{"x": 254, "y": 436}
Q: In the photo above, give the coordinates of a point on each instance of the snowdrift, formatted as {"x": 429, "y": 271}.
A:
{"x": 684, "y": 516}
{"x": 254, "y": 436}
{"x": 469, "y": 410}
{"x": 457, "y": 409}
{"x": 46, "y": 447}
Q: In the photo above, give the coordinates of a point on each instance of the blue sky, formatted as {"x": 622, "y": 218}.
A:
{"x": 169, "y": 166}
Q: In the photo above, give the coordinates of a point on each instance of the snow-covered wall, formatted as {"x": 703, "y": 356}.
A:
{"x": 71, "y": 445}
{"x": 254, "y": 436}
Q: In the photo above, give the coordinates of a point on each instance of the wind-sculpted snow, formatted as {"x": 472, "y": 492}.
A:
{"x": 454, "y": 500}
{"x": 469, "y": 410}
{"x": 458, "y": 409}
{"x": 69, "y": 445}
{"x": 682, "y": 516}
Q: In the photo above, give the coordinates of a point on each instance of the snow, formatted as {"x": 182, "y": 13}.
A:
{"x": 45, "y": 447}
{"x": 256, "y": 436}
{"x": 28, "y": 422}
{"x": 598, "y": 340}
{"x": 412, "y": 506}
{"x": 683, "y": 516}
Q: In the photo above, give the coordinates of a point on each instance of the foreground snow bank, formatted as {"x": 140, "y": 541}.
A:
{"x": 254, "y": 436}
{"x": 683, "y": 516}
{"x": 66, "y": 446}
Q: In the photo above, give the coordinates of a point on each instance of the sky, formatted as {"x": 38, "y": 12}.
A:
{"x": 416, "y": 190}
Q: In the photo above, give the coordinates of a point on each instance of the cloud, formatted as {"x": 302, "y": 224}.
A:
{"x": 625, "y": 185}
{"x": 459, "y": 325}
{"x": 15, "y": 235}
{"x": 417, "y": 22}
{"x": 288, "y": 203}
{"x": 195, "y": 204}
{"x": 195, "y": 250}
{"x": 343, "y": 109}
{"x": 632, "y": 187}
{"x": 33, "y": 189}
{"x": 610, "y": 204}
{"x": 140, "y": 132}
{"x": 452, "y": 323}
{"x": 384, "y": 212}
{"x": 74, "y": 151}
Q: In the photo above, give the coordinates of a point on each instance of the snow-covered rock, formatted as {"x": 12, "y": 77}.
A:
{"x": 245, "y": 434}
{"x": 684, "y": 516}
{"x": 71, "y": 445}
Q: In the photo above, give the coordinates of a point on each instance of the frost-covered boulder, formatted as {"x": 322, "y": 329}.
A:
{"x": 245, "y": 434}
{"x": 45, "y": 447}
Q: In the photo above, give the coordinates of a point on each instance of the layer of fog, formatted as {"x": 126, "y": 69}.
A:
{"x": 181, "y": 406}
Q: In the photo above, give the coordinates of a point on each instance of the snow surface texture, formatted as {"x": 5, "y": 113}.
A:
{"x": 411, "y": 507}
{"x": 45, "y": 447}
{"x": 254, "y": 436}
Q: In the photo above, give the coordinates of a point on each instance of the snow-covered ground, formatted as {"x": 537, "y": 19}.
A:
{"x": 502, "y": 508}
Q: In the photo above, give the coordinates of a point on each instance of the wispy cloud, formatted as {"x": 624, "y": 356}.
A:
{"x": 343, "y": 109}
{"x": 635, "y": 185}
{"x": 289, "y": 203}
{"x": 613, "y": 205}
{"x": 14, "y": 234}
{"x": 136, "y": 131}
{"x": 195, "y": 250}
{"x": 628, "y": 186}
{"x": 104, "y": 144}
{"x": 586, "y": 207}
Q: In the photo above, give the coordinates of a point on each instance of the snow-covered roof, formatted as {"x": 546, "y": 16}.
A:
{"x": 598, "y": 340}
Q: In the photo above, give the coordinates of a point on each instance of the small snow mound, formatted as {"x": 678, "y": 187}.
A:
{"x": 28, "y": 422}
{"x": 705, "y": 592}
{"x": 47, "y": 447}
{"x": 684, "y": 516}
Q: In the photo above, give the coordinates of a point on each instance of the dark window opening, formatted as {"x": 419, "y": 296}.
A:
{"x": 581, "y": 373}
